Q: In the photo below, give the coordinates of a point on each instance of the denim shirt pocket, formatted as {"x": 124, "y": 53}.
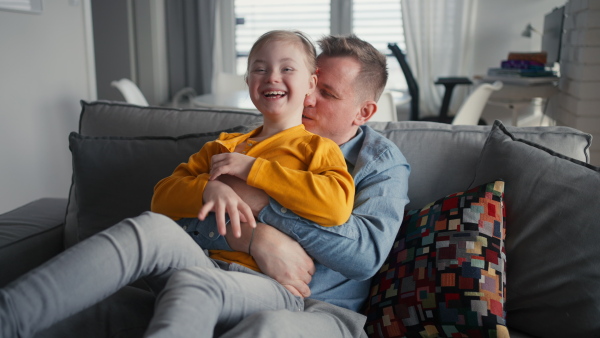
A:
{"x": 204, "y": 233}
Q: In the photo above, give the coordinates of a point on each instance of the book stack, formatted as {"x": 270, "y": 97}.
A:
{"x": 523, "y": 65}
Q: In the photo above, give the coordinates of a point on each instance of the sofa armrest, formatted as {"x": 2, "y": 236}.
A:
{"x": 30, "y": 235}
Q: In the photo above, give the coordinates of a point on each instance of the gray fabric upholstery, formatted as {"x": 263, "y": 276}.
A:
{"x": 104, "y": 118}
{"x": 552, "y": 236}
{"x": 29, "y": 236}
{"x": 114, "y": 177}
{"x": 443, "y": 157}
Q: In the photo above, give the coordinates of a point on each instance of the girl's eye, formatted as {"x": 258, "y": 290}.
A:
{"x": 288, "y": 69}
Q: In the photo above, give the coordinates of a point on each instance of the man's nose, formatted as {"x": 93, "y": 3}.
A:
{"x": 310, "y": 100}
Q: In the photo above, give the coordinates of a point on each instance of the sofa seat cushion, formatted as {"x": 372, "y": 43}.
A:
{"x": 444, "y": 276}
{"x": 30, "y": 235}
{"x": 552, "y": 236}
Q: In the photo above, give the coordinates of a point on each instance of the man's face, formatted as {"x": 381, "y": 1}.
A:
{"x": 332, "y": 110}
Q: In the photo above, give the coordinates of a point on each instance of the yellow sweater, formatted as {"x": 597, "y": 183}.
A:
{"x": 302, "y": 171}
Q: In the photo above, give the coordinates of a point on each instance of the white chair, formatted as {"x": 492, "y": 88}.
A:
{"x": 227, "y": 83}
{"x": 130, "y": 92}
{"x": 470, "y": 111}
{"x": 386, "y": 108}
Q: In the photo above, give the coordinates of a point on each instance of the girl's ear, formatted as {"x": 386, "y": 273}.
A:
{"x": 312, "y": 84}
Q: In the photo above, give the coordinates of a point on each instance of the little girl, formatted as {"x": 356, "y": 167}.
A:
{"x": 302, "y": 171}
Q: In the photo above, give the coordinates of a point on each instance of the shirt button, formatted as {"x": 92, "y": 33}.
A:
{"x": 283, "y": 210}
{"x": 211, "y": 234}
{"x": 185, "y": 227}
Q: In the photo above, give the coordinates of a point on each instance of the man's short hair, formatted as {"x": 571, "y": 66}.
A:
{"x": 373, "y": 73}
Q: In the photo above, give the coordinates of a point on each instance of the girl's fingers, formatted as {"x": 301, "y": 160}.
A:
{"x": 206, "y": 208}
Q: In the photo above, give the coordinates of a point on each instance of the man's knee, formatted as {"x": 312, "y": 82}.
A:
{"x": 205, "y": 279}
{"x": 153, "y": 226}
{"x": 265, "y": 318}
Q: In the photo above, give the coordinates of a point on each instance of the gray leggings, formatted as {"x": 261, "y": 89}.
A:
{"x": 196, "y": 296}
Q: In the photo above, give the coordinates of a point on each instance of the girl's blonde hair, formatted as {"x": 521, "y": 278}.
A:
{"x": 290, "y": 36}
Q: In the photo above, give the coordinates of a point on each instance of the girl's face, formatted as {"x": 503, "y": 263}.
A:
{"x": 279, "y": 80}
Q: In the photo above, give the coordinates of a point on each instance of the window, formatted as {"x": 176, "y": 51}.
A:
{"x": 380, "y": 22}
{"x": 376, "y": 21}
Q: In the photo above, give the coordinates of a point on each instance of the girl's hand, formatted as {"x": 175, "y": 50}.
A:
{"x": 234, "y": 164}
{"x": 221, "y": 199}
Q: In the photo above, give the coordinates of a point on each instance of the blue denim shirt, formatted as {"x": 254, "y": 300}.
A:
{"x": 346, "y": 256}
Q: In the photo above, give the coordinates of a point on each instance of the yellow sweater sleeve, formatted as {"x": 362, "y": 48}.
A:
{"x": 180, "y": 195}
{"x": 324, "y": 193}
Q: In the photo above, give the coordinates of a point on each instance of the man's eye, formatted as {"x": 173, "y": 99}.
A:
{"x": 326, "y": 93}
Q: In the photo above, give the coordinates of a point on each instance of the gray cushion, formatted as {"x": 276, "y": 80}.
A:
{"x": 552, "y": 236}
{"x": 114, "y": 177}
{"x": 443, "y": 157}
{"x": 105, "y": 118}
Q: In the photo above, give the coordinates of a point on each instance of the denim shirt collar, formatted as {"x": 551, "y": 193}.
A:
{"x": 351, "y": 149}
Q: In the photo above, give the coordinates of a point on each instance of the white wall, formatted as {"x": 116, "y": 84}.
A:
{"x": 499, "y": 26}
{"x": 498, "y": 29}
{"x": 45, "y": 65}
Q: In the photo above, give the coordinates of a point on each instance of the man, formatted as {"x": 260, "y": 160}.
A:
{"x": 352, "y": 75}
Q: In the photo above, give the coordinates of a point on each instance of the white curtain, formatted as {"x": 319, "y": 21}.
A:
{"x": 439, "y": 40}
{"x": 224, "y": 57}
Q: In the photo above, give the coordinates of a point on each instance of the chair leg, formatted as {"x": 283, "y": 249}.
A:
{"x": 446, "y": 100}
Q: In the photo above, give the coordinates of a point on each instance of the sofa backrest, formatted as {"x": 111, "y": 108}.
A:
{"x": 442, "y": 157}
{"x": 105, "y": 118}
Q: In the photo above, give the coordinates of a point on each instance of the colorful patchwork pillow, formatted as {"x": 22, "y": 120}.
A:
{"x": 445, "y": 274}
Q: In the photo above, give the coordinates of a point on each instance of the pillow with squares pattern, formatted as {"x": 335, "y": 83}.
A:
{"x": 445, "y": 275}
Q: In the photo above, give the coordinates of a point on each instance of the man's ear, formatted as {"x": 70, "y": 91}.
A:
{"x": 367, "y": 110}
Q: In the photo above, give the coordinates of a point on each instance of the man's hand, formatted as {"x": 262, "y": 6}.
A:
{"x": 234, "y": 164}
{"x": 283, "y": 259}
{"x": 221, "y": 199}
{"x": 257, "y": 199}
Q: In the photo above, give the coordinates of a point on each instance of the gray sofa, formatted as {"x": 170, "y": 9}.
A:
{"x": 550, "y": 239}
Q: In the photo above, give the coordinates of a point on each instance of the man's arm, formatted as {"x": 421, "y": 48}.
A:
{"x": 358, "y": 248}
{"x": 277, "y": 255}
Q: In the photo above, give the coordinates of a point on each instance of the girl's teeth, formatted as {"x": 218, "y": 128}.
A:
{"x": 274, "y": 93}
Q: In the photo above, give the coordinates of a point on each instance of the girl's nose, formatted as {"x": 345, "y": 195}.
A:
{"x": 274, "y": 76}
